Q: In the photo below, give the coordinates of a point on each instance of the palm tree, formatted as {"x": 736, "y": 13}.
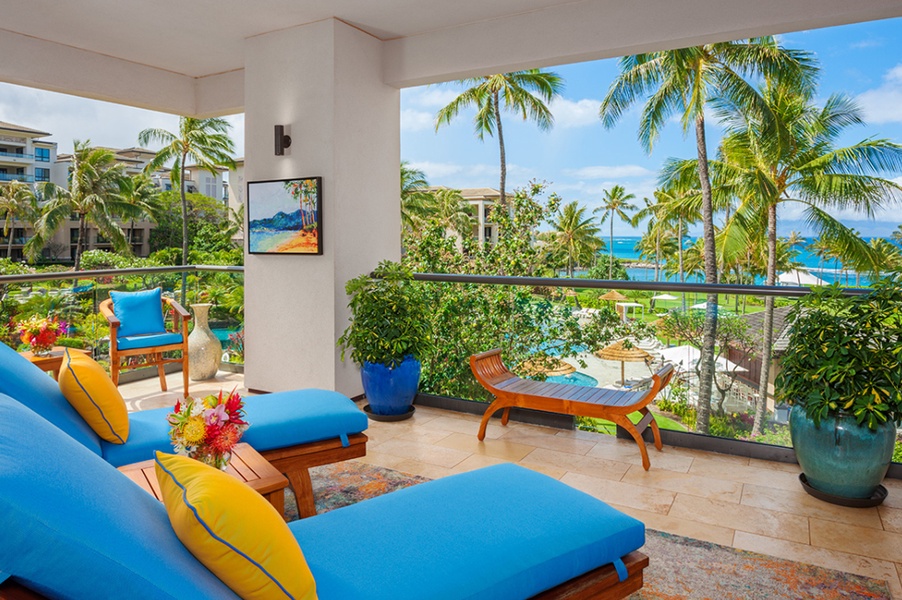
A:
{"x": 452, "y": 212}
{"x": 886, "y": 257}
{"x": 96, "y": 195}
{"x": 17, "y": 201}
{"x": 897, "y": 235}
{"x": 204, "y": 141}
{"x": 522, "y": 92}
{"x": 416, "y": 201}
{"x": 576, "y": 234}
{"x": 143, "y": 193}
{"x": 616, "y": 203}
{"x": 802, "y": 165}
{"x": 682, "y": 82}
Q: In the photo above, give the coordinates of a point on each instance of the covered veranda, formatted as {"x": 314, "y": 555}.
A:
{"x": 331, "y": 74}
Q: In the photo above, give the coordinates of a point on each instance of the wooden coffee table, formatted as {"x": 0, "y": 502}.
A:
{"x": 52, "y": 363}
{"x": 246, "y": 465}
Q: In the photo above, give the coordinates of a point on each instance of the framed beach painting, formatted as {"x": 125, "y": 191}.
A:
{"x": 285, "y": 216}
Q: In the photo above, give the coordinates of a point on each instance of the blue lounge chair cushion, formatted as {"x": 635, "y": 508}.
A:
{"x": 498, "y": 533}
{"x": 139, "y": 313}
{"x": 148, "y": 340}
{"x": 277, "y": 420}
{"x": 34, "y": 388}
{"x": 74, "y": 527}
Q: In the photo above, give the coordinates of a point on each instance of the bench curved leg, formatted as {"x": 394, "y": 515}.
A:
{"x": 505, "y": 417}
{"x": 492, "y": 409}
{"x": 627, "y": 426}
{"x": 654, "y": 429}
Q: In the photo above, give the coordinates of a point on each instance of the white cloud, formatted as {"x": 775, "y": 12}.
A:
{"x": 580, "y": 113}
{"x": 416, "y": 120}
{"x": 866, "y": 43}
{"x": 884, "y": 104}
{"x": 69, "y": 118}
{"x": 609, "y": 172}
{"x": 429, "y": 96}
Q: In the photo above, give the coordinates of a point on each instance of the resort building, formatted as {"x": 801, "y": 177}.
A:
{"x": 25, "y": 157}
{"x": 481, "y": 201}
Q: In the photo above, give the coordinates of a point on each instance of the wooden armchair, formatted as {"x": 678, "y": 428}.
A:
{"x": 132, "y": 335}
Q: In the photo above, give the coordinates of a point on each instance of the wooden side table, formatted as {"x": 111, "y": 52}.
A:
{"x": 246, "y": 465}
{"x": 53, "y": 362}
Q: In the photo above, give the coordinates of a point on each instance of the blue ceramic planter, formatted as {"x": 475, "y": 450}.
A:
{"x": 841, "y": 457}
{"x": 391, "y": 391}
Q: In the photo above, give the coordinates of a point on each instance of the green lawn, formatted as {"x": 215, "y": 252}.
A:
{"x": 607, "y": 427}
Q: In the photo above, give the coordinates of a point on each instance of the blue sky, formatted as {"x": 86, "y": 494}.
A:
{"x": 580, "y": 159}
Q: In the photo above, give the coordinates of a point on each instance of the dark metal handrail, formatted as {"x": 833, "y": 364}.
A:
{"x": 96, "y": 274}
{"x": 650, "y": 286}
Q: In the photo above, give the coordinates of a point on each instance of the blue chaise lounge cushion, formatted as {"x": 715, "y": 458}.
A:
{"x": 498, "y": 533}
{"x": 139, "y": 313}
{"x": 75, "y": 527}
{"x": 34, "y": 388}
{"x": 276, "y": 420}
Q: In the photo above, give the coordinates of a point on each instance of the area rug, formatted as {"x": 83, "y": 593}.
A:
{"x": 681, "y": 568}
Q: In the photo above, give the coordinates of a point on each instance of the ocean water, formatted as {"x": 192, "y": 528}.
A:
{"x": 829, "y": 271}
{"x": 266, "y": 241}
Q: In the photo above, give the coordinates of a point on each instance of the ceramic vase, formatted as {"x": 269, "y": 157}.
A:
{"x": 391, "y": 391}
{"x": 841, "y": 457}
{"x": 204, "y": 349}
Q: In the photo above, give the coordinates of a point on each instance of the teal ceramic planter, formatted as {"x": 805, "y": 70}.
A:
{"x": 840, "y": 457}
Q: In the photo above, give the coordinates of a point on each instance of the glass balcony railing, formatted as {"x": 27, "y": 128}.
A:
{"x": 16, "y": 177}
{"x": 75, "y": 298}
{"x": 548, "y": 328}
{"x": 17, "y": 155}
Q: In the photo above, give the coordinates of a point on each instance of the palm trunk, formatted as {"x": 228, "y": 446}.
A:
{"x": 709, "y": 333}
{"x": 497, "y": 108}
{"x": 11, "y": 229}
{"x": 657, "y": 256}
{"x": 82, "y": 232}
{"x": 611, "y": 257}
{"x": 768, "y": 333}
{"x": 184, "y": 228}
{"x": 680, "y": 257}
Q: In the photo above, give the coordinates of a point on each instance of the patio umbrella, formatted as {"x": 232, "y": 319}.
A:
{"x": 618, "y": 351}
{"x": 798, "y": 277}
{"x": 664, "y": 297}
{"x": 614, "y": 296}
{"x": 549, "y": 367}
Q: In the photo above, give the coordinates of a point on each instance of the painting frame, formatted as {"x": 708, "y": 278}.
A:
{"x": 273, "y": 228}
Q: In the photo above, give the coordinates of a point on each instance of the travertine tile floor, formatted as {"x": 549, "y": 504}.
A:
{"x": 746, "y": 503}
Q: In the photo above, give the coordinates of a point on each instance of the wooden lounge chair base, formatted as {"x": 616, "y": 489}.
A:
{"x": 599, "y": 584}
{"x": 613, "y": 405}
{"x": 295, "y": 462}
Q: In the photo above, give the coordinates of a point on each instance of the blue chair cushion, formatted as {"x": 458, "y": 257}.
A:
{"x": 277, "y": 421}
{"x": 148, "y": 340}
{"x": 139, "y": 313}
{"x": 74, "y": 527}
{"x": 34, "y": 388}
{"x": 498, "y": 533}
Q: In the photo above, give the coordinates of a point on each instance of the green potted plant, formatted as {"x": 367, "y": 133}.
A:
{"x": 389, "y": 330}
{"x": 842, "y": 373}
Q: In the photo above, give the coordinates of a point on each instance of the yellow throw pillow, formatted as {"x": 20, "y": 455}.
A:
{"x": 91, "y": 392}
{"x": 233, "y": 531}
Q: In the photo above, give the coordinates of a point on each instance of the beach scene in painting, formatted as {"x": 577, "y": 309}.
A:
{"x": 283, "y": 216}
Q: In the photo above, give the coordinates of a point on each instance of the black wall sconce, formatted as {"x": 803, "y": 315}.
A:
{"x": 282, "y": 141}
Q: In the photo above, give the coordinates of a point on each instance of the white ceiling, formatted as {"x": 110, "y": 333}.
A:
{"x": 205, "y": 37}
{"x": 187, "y": 56}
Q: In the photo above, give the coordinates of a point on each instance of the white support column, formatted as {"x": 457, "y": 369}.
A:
{"x": 324, "y": 82}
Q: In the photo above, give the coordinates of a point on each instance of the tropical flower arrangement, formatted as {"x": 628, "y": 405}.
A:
{"x": 41, "y": 333}
{"x": 207, "y": 429}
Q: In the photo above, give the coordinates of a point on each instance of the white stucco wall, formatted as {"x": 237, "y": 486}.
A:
{"x": 323, "y": 81}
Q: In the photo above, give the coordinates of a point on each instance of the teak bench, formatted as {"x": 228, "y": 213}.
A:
{"x": 613, "y": 405}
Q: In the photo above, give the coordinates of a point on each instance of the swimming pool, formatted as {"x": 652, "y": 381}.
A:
{"x": 222, "y": 334}
{"x": 575, "y": 379}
